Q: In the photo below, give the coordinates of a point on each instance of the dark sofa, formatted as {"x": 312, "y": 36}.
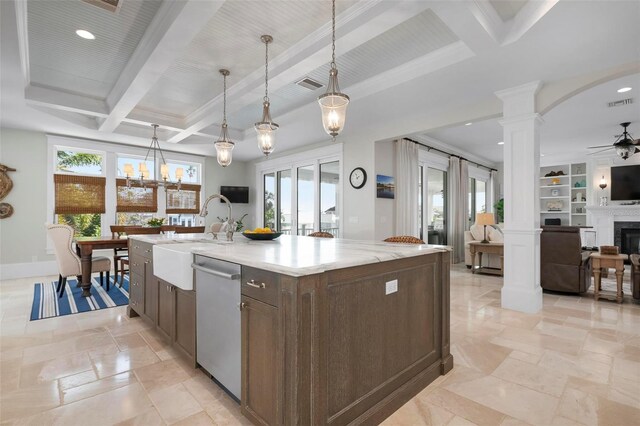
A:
{"x": 563, "y": 265}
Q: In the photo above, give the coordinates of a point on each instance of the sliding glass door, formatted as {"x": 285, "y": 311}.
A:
{"x": 436, "y": 206}
{"x": 329, "y": 191}
{"x": 303, "y": 197}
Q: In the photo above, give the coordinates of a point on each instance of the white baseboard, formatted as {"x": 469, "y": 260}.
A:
{"x": 11, "y": 271}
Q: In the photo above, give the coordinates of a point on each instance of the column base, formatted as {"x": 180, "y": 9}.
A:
{"x": 528, "y": 301}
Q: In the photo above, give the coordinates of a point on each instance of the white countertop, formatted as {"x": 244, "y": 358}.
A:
{"x": 293, "y": 255}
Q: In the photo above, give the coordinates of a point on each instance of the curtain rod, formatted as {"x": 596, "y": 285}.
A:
{"x": 430, "y": 148}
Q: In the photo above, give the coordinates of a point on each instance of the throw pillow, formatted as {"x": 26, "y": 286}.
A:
{"x": 477, "y": 232}
{"x": 494, "y": 235}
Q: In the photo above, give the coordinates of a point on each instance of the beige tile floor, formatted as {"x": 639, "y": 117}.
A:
{"x": 575, "y": 363}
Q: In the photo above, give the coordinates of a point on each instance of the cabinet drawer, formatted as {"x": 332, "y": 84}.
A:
{"x": 140, "y": 248}
{"x": 136, "y": 293}
{"x": 260, "y": 285}
{"x": 137, "y": 264}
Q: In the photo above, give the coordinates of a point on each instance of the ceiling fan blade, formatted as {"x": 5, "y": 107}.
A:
{"x": 598, "y": 152}
{"x": 601, "y": 146}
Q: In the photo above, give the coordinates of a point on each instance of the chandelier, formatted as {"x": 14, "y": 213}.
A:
{"x": 266, "y": 128}
{"x": 224, "y": 145}
{"x": 144, "y": 177}
{"x": 333, "y": 103}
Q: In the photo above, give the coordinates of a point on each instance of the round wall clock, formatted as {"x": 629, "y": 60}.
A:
{"x": 358, "y": 177}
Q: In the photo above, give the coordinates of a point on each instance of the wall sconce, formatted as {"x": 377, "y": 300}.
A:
{"x": 603, "y": 183}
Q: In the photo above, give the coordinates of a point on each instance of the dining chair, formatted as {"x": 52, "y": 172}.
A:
{"x": 406, "y": 239}
{"x": 69, "y": 263}
{"x": 189, "y": 229}
{"x": 320, "y": 234}
{"x": 135, "y": 230}
{"x": 117, "y": 231}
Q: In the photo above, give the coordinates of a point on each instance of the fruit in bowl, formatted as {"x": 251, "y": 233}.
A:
{"x": 261, "y": 234}
{"x": 259, "y": 231}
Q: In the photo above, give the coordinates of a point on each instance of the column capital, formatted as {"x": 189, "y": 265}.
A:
{"x": 528, "y": 89}
{"x": 521, "y": 118}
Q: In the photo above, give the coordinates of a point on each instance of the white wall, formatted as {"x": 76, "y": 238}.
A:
{"x": 385, "y": 211}
{"x": 22, "y": 236}
{"x": 238, "y": 173}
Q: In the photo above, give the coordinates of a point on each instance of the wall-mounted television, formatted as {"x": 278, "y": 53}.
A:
{"x": 235, "y": 194}
{"x": 625, "y": 183}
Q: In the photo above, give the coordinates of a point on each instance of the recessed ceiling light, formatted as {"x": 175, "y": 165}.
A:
{"x": 85, "y": 34}
{"x": 468, "y": 124}
{"x": 500, "y": 143}
{"x": 624, "y": 89}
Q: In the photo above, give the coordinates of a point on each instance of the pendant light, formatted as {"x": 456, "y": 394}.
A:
{"x": 145, "y": 175}
{"x": 224, "y": 145}
{"x": 333, "y": 103}
{"x": 266, "y": 128}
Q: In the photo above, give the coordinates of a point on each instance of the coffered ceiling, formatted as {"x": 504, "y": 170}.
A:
{"x": 156, "y": 61}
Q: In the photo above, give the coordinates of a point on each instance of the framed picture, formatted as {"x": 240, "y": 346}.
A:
{"x": 385, "y": 187}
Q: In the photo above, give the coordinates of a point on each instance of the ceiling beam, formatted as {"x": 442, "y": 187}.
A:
{"x": 65, "y": 101}
{"x": 354, "y": 27}
{"x": 23, "y": 39}
{"x": 526, "y": 18}
{"x": 172, "y": 29}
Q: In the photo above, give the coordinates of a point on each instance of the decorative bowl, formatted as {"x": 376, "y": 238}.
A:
{"x": 262, "y": 236}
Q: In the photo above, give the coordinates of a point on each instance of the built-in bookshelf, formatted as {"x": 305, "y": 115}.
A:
{"x": 563, "y": 193}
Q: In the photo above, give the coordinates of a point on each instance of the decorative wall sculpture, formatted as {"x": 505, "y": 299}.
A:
{"x": 6, "y": 184}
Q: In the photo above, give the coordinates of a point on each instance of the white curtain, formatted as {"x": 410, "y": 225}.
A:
{"x": 458, "y": 206}
{"x": 406, "y": 188}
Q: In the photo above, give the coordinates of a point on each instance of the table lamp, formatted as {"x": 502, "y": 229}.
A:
{"x": 485, "y": 219}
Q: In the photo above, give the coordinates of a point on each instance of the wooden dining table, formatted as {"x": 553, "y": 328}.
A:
{"x": 85, "y": 247}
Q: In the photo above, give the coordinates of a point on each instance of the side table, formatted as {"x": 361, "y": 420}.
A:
{"x": 616, "y": 261}
{"x": 489, "y": 248}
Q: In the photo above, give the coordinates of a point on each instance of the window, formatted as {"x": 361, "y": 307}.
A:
{"x": 301, "y": 192}
{"x": 284, "y": 201}
{"x": 329, "y": 191}
{"x": 477, "y": 192}
{"x": 305, "y": 195}
{"x": 269, "y": 183}
{"x": 69, "y": 161}
{"x": 78, "y": 191}
{"x": 91, "y": 206}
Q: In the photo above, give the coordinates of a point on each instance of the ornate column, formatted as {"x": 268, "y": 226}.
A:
{"x": 520, "y": 122}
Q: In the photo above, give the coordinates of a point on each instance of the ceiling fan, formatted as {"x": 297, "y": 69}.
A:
{"x": 624, "y": 145}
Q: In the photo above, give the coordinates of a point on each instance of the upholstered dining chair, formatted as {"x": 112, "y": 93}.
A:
{"x": 134, "y": 230}
{"x": 320, "y": 234}
{"x": 189, "y": 229}
{"x": 68, "y": 261}
{"x": 406, "y": 239}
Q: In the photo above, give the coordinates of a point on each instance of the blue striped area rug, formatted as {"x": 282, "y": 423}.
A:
{"x": 47, "y": 304}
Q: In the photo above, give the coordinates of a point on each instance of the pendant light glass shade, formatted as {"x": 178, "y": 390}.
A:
{"x": 333, "y": 103}
{"x": 266, "y": 128}
{"x": 224, "y": 145}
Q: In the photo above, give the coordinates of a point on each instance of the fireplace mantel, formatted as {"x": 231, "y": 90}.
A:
{"x": 602, "y": 219}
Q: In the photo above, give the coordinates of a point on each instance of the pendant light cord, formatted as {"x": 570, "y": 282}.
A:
{"x": 224, "y": 100}
{"x": 333, "y": 34}
{"x": 266, "y": 72}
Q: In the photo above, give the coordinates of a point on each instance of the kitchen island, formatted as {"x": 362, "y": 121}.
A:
{"x": 333, "y": 331}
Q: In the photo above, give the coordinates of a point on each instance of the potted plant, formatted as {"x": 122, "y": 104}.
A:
{"x": 155, "y": 221}
{"x": 499, "y": 208}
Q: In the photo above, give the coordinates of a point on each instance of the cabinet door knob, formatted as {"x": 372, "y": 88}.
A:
{"x": 243, "y": 305}
{"x": 147, "y": 251}
{"x": 252, "y": 283}
{"x": 147, "y": 262}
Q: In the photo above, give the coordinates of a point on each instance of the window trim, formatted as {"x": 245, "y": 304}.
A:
{"x": 291, "y": 162}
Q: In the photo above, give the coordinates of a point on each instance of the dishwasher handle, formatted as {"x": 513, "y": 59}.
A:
{"x": 201, "y": 268}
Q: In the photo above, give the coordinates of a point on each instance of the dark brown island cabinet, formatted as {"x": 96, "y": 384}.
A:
{"x": 171, "y": 310}
{"x": 333, "y": 348}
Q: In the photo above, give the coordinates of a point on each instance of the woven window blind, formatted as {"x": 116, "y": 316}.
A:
{"x": 135, "y": 199}
{"x": 187, "y": 200}
{"x": 79, "y": 194}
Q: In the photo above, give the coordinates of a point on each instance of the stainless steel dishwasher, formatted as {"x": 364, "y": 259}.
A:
{"x": 218, "y": 320}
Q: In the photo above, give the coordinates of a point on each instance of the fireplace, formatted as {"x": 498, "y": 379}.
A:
{"x": 627, "y": 236}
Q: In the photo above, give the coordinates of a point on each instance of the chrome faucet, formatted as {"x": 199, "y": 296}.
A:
{"x": 231, "y": 224}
